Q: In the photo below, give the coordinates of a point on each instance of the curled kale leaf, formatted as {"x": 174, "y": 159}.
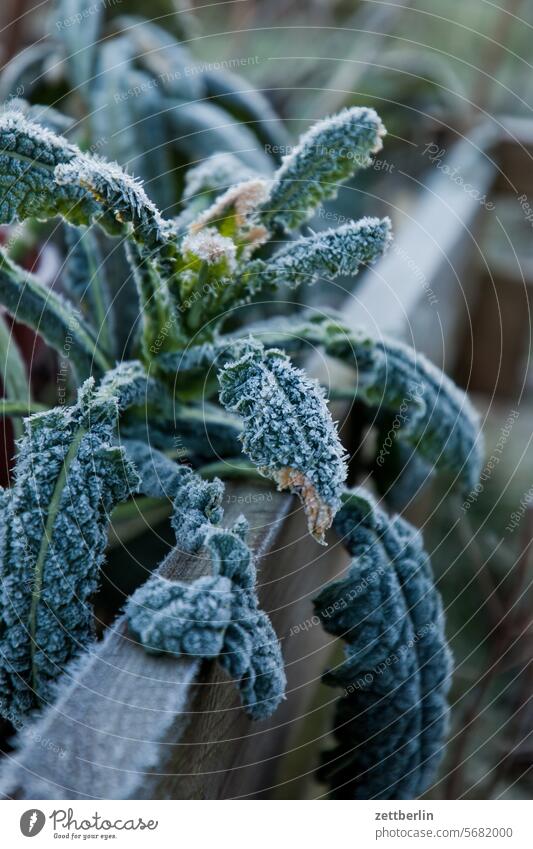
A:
{"x": 288, "y": 432}
{"x": 127, "y": 385}
{"x": 121, "y": 201}
{"x": 85, "y": 282}
{"x": 213, "y": 618}
{"x": 180, "y": 618}
{"x": 29, "y": 155}
{"x": 391, "y": 722}
{"x": 69, "y": 476}
{"x": 216, "y": 615}
{"x": 42, "y": 175}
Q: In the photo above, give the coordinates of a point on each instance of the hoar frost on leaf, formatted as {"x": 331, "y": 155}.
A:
{"x": 209, "y": 246}
{"x": 288, "y": 432}
{"x": 233, "y": 214}
{"x": 43, "y": 175}
{"x": 29, "y": 155}
{"x": 438, "y": 419}
{"x": 205, "y": 182}
{"x": 191, "y": 273}
{"x": 240, "y": 201}
{"x": 121, "y": 198}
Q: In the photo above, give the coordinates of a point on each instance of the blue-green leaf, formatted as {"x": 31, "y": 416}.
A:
{"x": 391, "y": 722}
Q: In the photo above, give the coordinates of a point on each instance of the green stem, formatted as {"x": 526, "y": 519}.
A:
{"x": 160, "y": 324}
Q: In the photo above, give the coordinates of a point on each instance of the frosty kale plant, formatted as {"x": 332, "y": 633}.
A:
{"x": 198, "y": 371}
